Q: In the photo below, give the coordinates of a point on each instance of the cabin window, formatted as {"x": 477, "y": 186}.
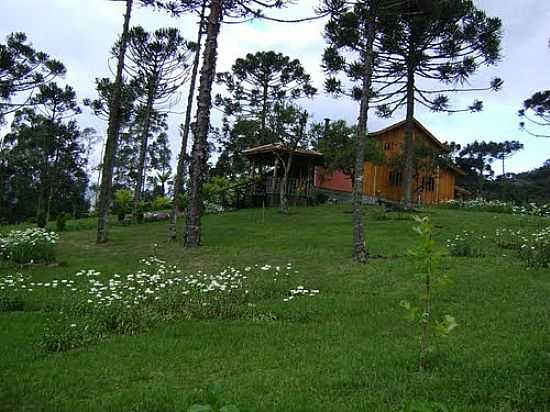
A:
{"x": 395, "y": 178}
{"x": 428, "y": 184}
{"x": 388, "y": 146}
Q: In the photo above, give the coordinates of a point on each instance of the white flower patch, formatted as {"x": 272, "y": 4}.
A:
{"x": 300, "y": 291}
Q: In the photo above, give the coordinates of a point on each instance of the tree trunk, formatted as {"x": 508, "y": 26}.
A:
{"x": 283, "y": 191}
{"x": 199, "y": 153}
{"x": 143, "y": 148}
{"x": 407, "y": 175}
{"x": 359, "y": 249}
{"x": 113, "y": 131}
{"x": 182, "y": 158}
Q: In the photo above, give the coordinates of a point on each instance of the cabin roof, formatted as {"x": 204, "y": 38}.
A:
{"x": 403, "y": 123}
{"x": 279, "y": 147}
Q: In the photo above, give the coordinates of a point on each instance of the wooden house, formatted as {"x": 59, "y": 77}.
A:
{"x": 430, "y": 186}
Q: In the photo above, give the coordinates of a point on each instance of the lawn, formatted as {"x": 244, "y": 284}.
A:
{"x": 349, "y": 348}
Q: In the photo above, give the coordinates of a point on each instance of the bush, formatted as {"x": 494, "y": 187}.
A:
{"x": 41, "y": 220}
{"x": 465, "y": 244}
{"x": 161, "y": 203}
{"x": 122, "y": 203}
{"x": 61, "y": 221}
{"x": 535, "y": 249}
{"x": 319, "y": 198}
{"x": 28, "y": 246}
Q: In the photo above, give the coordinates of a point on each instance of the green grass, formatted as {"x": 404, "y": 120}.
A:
{"x": 348, "y": 349}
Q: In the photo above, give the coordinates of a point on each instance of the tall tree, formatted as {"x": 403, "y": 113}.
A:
{"x": 185, "y": 129}
{"x": 54, "y": 105}
{"x": 113, "y": 130}
{"x": 257, "y": 82}
{"x": 22, "y": 70}
{"x": 41, "y": 158}
{"x": 158, "y": 62}
{"x": 199, "y": 155}
{"x": 351, "y": 34}
{"x": 443, "y": 41}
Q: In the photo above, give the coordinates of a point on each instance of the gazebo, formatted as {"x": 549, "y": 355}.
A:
{"x": 267, "y": 166}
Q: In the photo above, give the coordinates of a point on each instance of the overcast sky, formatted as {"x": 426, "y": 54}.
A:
{"x": 80, "y": 33}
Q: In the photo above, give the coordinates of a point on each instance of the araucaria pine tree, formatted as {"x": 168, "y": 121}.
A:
{"x": 351, "y": 34}
{"x": 217, "y": 11}
{"x": 434, "y": 41}
{"x": 158, "y": 62}
{"x": 259, "y": 81}
{"x": 113, "y": 130}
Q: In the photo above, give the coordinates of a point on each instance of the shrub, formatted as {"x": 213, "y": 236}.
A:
{"x": 161, "y": 203}
{"x": 319, "y": 198}
{"x": 61, "y": 221}
{"x": 536, "y": 249}
{"x": 465, "y": 244}
{"x": 28, "y": 246}
{"x": 41, "y": 220}
{"x": 122, "y": 203}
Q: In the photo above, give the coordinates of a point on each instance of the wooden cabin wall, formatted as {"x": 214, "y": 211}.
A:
{"x": 378, "y": 178}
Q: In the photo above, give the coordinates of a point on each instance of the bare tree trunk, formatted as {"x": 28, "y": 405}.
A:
{"x": 199, "y": 152}
{"x": 283, "y": 192}
{"x": 407, "y": 175}
{"x": 143, "y": 148}
{"x": 359, "y": 248}
{"x": 113, "y": 131}
{"x": 182, "y": 158}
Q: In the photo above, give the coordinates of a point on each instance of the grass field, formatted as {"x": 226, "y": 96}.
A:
{"x": 347, "y": 349}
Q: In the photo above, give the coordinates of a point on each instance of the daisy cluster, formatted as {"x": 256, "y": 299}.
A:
{"x": 28, "y": 246}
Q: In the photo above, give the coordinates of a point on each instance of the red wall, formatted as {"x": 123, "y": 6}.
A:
{"x": 332, "y": 181}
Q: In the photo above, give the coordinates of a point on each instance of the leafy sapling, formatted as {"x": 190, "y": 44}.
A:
{"x": 427, "y": 257}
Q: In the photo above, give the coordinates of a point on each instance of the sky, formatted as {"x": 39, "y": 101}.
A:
{"x": 81, "y": 33}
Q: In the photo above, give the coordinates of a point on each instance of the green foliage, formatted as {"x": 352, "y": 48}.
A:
{"x": 319, "y": 197}
{"x": 337, "y": 143}
{"x": 122, "y": 204}
{"x": 32, "y": 245}
{"x": 427, "y": 258}
{"x": 466, "y": 244}
{"x": 161, "y": 203}
{"x": 61, "y": 221}
{"x": 23, "y": 70}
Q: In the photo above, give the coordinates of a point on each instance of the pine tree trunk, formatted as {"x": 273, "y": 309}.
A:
{"x": 143, "y": 148}
{"x": 408, "y": 166}
{"x": 182, "y": 158}
{"x": 359, "y": 249}
{"x": 199, "y": 153}
{"x": 113, "y": 131}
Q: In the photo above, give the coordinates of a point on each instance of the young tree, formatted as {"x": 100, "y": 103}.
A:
{"x": 288, "y": 122}
{"x": 113, "y": 130}
{"x": 22, "y": 71}
{"x": 158, "y": 63}
{"x": 160, "y": 155}
{"x": 338, "y": 147}
{"x": 259, "y": 81}
{"x": 443, "y": 41}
